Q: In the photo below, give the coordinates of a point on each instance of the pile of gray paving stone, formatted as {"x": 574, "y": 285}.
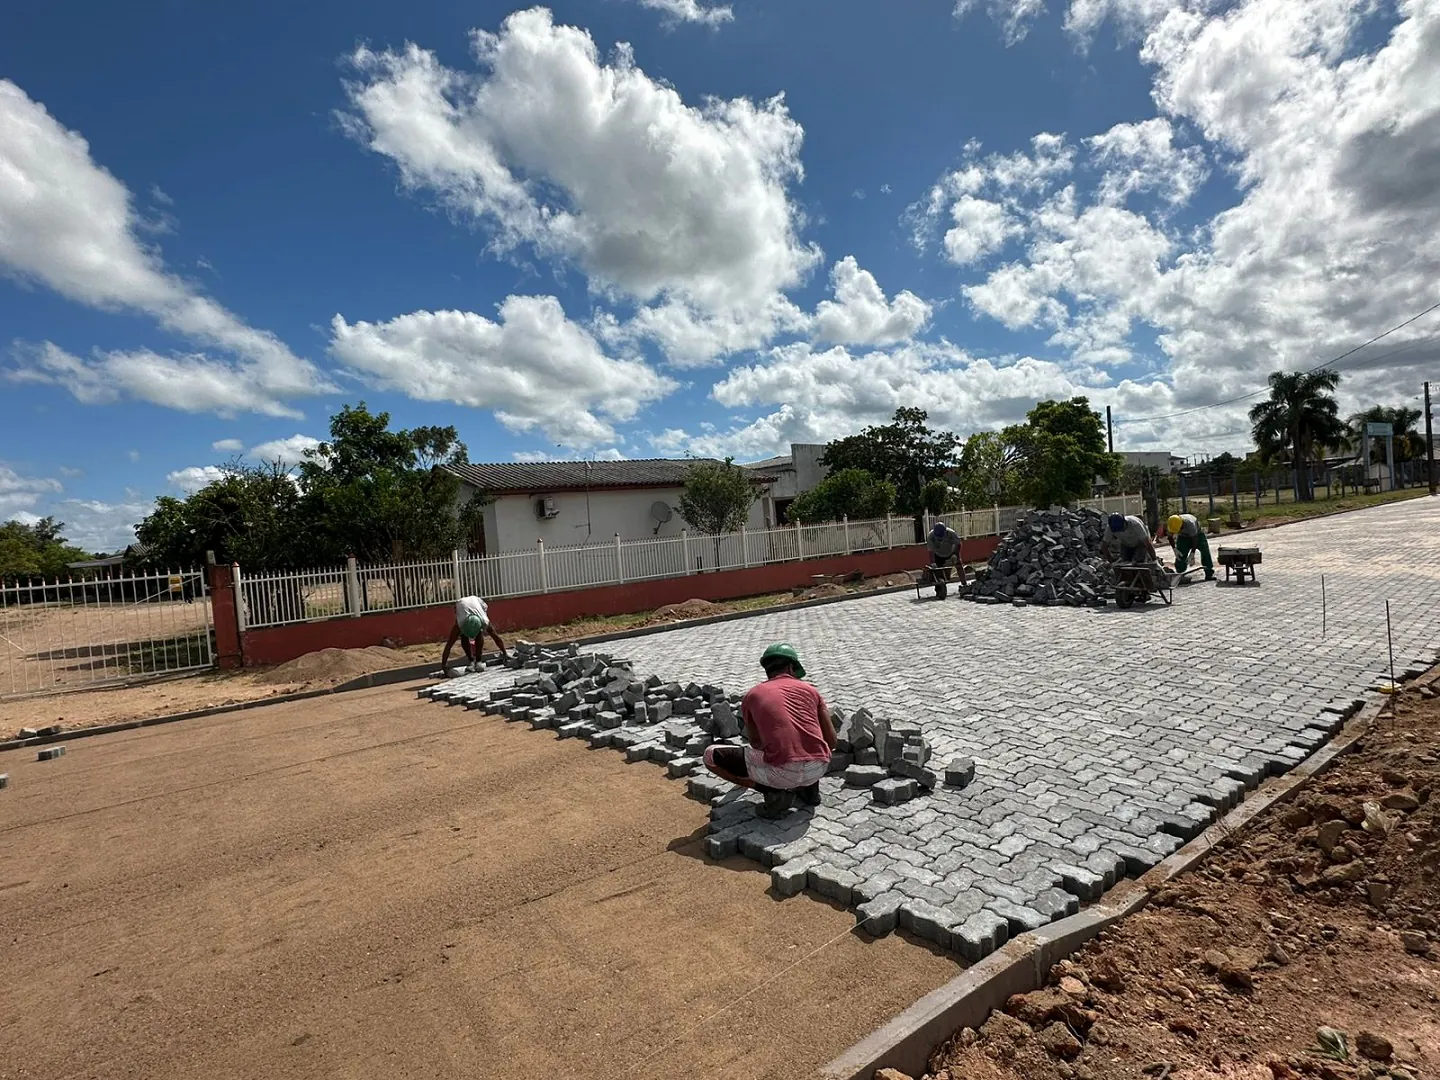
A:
{"x": 1050, "y": 558}
{"x": 598, "y": 697}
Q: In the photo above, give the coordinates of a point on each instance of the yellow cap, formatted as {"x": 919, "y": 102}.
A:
{"x": 1174, "y": 524}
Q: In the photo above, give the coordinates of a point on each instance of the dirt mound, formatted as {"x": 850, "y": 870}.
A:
{"x": 690, "y": 609}
{"x": 818, "y": 592}
{"x": 333, "y": 665}
{"x": 1307, "y": 945}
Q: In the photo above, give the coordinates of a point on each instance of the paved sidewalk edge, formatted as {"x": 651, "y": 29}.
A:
{"x": 906, "y": 1041}
{"x": 391, "y": 676}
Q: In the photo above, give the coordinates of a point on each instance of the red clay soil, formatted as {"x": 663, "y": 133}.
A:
{"x": 368, "y": 885}
{"x": 1323, "y": 914}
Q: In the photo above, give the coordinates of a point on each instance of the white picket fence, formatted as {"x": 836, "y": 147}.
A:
{"x": 275, "y": 599}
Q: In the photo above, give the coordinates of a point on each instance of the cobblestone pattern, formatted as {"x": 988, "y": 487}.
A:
{"x": 1101, "y": 739}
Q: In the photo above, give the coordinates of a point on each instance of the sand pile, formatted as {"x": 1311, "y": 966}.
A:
{"x": 690, "y": 609}
{"x": 333, "y": 665}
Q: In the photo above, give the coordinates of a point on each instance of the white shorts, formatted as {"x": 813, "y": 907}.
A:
{"x": 797, "y": 774}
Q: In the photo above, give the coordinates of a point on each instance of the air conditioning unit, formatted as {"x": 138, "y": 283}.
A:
{"x": 545, "y": 508}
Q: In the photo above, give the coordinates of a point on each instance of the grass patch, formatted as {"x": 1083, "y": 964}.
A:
{"x": 1289, "y": 510}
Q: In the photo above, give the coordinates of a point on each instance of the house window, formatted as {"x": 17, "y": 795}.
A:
{"x": 475, "y": 544}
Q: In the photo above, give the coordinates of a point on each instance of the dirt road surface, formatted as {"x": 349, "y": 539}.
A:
{"x": 374, "y": 886}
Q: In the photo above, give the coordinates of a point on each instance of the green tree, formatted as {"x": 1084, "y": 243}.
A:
{"x": 381, "y": 495}
{"x": 906, "y": 452}
{"x": 717, "y": 496}
{"x": 1404, "y": 422}
{"x": 1299, "y": 419}
{"x": 251, "y": 515}
{"x": 850, "y": 493}
{"x": 985, "y": 475}
{"x": 1060, "y": 453}
{"x": 936, "y": 497}
{"x": 37, "y": 550}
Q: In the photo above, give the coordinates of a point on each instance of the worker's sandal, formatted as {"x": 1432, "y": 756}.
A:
{"x": 777, "y": 804}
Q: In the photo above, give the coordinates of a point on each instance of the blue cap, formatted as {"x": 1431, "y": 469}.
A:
{"x": 1117, "y": 523}
{"x": 939, "y": 528}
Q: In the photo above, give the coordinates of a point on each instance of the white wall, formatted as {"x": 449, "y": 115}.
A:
{"x": 808, "y": 470}
{"x": 623, "y": 511}
{"x": 1146, "y": 459}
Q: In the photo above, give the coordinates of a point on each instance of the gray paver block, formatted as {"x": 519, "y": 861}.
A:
{"x": 959, "y": 772}
{"x": 50, "y": 753}
{"x": 894, "y": 790}
{"x": 832, "y": 882}
{"x": 880, "y": 914}
{"x": 863, "y": 776}
{"x": 979, "y": 935}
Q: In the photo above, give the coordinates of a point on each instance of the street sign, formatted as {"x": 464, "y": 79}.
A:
{"x": 1379, "y": 430}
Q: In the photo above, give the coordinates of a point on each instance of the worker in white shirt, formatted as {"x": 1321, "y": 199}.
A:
{"x": 472, "y": 623}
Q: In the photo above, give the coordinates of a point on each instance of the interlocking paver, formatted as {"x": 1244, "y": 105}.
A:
{"x": 1091, "y": 743}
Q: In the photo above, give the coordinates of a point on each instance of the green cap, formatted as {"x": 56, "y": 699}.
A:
{"x": 472, "y": 626}
{"x": 786, "y": 651}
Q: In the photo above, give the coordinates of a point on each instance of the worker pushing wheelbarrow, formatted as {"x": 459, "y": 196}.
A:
{"x": 945, "y": 565}
{"x": 1136, "y": 570}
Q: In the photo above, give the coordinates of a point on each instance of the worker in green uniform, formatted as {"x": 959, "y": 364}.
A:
{"x": 1186, "y": 537}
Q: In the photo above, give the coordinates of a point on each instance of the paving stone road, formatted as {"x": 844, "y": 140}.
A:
{"x": 1102, "y": 738}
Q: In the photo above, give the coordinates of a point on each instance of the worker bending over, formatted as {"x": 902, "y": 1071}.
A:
{"x": 1131, "y": 538}
{"x": 788, "y": 734}
{"x": 944, "y": 545}
{"x": 472, "y": 622}
{"x": 1185, "y": 537}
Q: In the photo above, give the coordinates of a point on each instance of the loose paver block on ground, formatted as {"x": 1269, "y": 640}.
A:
{"x": 1090, "y": 743}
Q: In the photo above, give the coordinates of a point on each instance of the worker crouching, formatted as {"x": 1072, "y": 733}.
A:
{"x": 788, "y": 737}
{"x": 1186, "y": 537}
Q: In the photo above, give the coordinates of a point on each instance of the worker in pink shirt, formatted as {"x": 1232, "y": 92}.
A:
{"x": 788, "y": 734}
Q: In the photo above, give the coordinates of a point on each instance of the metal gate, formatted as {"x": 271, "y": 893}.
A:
{"x": 70, "y": 635}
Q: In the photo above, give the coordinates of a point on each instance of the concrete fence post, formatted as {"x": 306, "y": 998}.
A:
{"x": 544, "y": 581}
{"x": 799, "y": 541}
{"x": 239, "y": 597}
{"x": 889, "y": 533}
{"x": 352, "y": 588}
{"x": 744, "y": 547}
{"x": 685, "y": 550}
{"x": 225, "y": 616}
{"x": 619, "y": 568}
{"x": 455, "y": 573}
{"x": 997, "y": 520}
{"x": 845, "y": 523}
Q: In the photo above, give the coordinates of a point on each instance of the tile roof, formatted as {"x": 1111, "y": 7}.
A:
{"x": 541, "y": 476}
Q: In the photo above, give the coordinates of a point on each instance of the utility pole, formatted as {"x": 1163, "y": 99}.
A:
{"x": 1110, "y": 428}
{"x": 1429, "y": 443}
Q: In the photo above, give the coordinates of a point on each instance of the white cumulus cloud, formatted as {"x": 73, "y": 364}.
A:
{"x": 692, "y": 11}
{"x": 681, "y": 209}
{"x": 68, "y": 224}
{"x": 287, "y": 452}
{"x": 861, "y": 315}
{"x": 534, "y": 367}
{"x": 19, "y": 493}
{"x": 194, "y": 477}
{"x": 228, "y": 446}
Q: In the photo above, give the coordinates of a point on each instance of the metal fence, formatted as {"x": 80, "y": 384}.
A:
{"x": 275, "y": 599}
{"x": 74, "y": 634}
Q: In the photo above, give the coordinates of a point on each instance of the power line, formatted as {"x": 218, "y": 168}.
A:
{"x": 1318, "y": 367}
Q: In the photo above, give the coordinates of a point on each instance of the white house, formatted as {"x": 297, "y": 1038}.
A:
{"x": 793, "y": 474}
{"x": 582, "y": 502}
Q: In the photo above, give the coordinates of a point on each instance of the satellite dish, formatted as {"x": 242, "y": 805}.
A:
{"x": 661, "y": 513}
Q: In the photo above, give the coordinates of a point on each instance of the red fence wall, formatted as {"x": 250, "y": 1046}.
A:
{"x": 276, "y": 644}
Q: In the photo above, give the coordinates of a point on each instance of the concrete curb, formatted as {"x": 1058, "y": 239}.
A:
{"x": 906, "y": 1042}
{"x": 391, "y": 676}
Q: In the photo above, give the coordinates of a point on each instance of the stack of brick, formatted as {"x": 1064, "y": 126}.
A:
{"x": 1050, "y": 558}
{"x": 892, "y": 759}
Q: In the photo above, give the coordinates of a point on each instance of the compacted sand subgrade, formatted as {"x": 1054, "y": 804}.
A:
{"x": 371, "y": 886}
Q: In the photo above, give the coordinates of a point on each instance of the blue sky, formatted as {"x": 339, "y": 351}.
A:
{"x": 595, "y": 228}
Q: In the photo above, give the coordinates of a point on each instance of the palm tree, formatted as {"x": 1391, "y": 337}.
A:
{"x": 1403, "y": 420}
{"x": 1300, "y": 417}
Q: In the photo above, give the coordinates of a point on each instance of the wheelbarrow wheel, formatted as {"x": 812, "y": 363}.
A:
{"x": 941, "y": 590}
{"x": 1124, "y": 598}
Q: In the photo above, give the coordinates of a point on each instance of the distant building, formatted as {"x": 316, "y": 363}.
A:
{"x": 794, "y": 474}
{"x": 1163, "y": 460}
{"x": 582, "y": 502}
